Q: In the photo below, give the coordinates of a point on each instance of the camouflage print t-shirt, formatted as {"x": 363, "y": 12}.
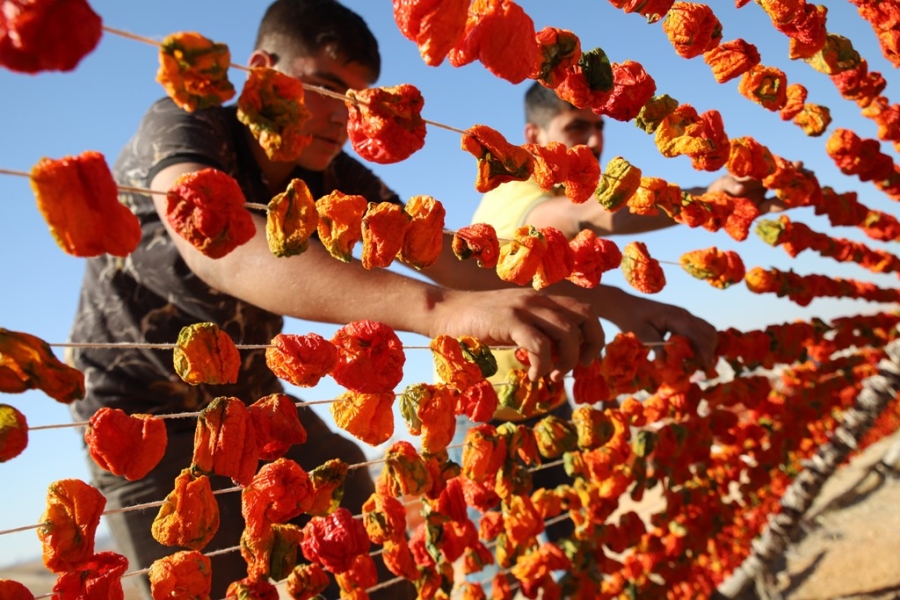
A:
{"x": 148, "y": 296}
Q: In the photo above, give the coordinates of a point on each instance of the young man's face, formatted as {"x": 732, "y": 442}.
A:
{"x": 328, "y": 116}
{"x": 570, "y": 127}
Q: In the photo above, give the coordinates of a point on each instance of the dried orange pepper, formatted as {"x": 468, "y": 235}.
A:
{"x": 306, "y": 582}
{"x": 550, "y": 165}
{"x": 276, "y": 425}
{"x": 813, "y": 119}
{"x": 457, "y": 368}
{"x": 557, "y": 259}
{"x": 398, "y": 559}
{"x": 365, "y": 416}
{"x": 731, "y": 59}
{"x": 129, "y": 446}
{"x": 582, "y": 175}
{"x": 484, "y": 451}
{"x": 653, "y": 10}
{"x": 291, "y": 219}
{"x": 720, "y": 269}
{"x": 206, "y": 354}
{"x": 436, "y": 26}
{"x": 98, "y": 577}
{"x": 13, "y": 432}
{"x": 206, "y": 208}
{"x": 69, "y": 524}
{"x": 592, "y": 427}
{"x": 384, "y": 518}
{"x": 554, "y": 436}
{"x": 370, "y": 357}
{"x": 225, "y": 441}
{"x": 617, "y": 183}
{"x": 280, "y": 491}
{"x": 384, "y": 228}
{"x": 334, "y": 541}
{"x": 186, "y": 574}
{"x": 79, "y": 200}
{"x": 796, "y": 95}
{"x": 500, "y": 35}
{"x": 328, "y": 485}
{"x": 498, "y": 160}
{"x": 251, "y": 589}
{"x": 404, "y": 472}
{"x": 340, "y": 223}
{"x": 654, "y": 111}
{"x": 37, "y": 35}
{"x": 13, "y": 590}
{"x": 271, "y": 106}
{"x": 642, "y": 271}
{"x": 749, "y": 158}
{"x": 424, "y": 237}
{"x": 478, "y": 240}
{"x": 429, "y": 412}
{"x": 301, "y": 359}
{"x": 194, "y": 71}
{"x": 836, "y": 56}
{"x": 360, "y": 576}
{"x": 767, "y": 86}
{"x": 692, "y": 28}
{"x": 677, "y": 133}
{"x": 561, "y": 49}
{"x": 189, "y": 516}
{"x": 385, "y": 123}
{"x": 270, "y": 550}
{"x": 520, "y": 258}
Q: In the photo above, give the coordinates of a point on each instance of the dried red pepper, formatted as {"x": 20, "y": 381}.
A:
{"x": 692, "y": 28}
{"x": 185, "y": 574}
{"x": 271, "y": 106}
{"x": 632, "y": 89}
{"x": 276, "y": 425}
{"x": 291, "y": 218}
{"x": 561, "y": 50}
{"x": 189, "y": 515}
{"x": 366, "y": 416}
{"x": 301, "y": 359}
{"x": 206, "y": 208}
{"x": 557, "y": 259}
{"x": 13, "y": 590}
{"x": 424, "y": 237}
{"x": 206, "y": 354}
{"x": 384, "y": 228}
{"x": 340, "y": 223}
{"x": 731, "y": 59}
{"x": 334, "y": 541}
{"x": 436, "y": 26}
{"x": 642, "y": 272}
{"x": 478, "y": 241}
{"x": 280, "y": 491}
{"x": 225, "y": 441}
{"x": 370, "y": 357}
{"x": 582, "y": 174}
{"x": 47, "y": 35}
{"x": 498, "y": 160}
{"x": 13, "y": 432}
{"x": 79, "y": 199}
{"x": 125, "y": 445}
{"x": 98, "y": 577}
{"x": 385, "y": 123}
{"x": 500, "y": 35}
{"x": 69, "y": 524}
{"x": 194, "y": 71}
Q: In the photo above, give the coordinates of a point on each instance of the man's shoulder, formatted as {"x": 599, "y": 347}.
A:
{"x": 508, "y": 203}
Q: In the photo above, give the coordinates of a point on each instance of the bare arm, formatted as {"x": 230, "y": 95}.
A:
{"x": 315, "y": 286}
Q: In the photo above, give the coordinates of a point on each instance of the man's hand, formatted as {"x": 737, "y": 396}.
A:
{"x": 557, "y": 331}
{"x": 750, "y": 188}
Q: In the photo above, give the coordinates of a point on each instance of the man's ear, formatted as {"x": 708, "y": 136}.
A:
{"x": 260, "y": 58}
{"x": 532, "y": 133}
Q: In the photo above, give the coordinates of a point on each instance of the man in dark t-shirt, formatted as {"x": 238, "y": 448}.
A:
{"x": 166, "y": 284}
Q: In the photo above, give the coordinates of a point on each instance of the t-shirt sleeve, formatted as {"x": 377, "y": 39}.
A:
{"x": 169, "y": 135}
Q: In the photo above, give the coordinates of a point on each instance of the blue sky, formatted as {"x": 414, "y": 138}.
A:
{"x": 97, "y": 107}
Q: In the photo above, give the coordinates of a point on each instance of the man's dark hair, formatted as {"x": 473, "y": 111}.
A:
{"x": 542, "y": 104}
{"x": 292, "y": 28}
